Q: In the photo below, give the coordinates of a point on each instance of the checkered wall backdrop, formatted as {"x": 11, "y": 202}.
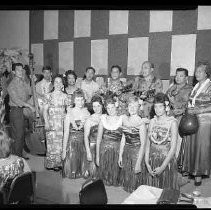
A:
{"x": 76, "y": 39}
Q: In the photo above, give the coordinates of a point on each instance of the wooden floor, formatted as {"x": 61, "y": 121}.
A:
{"x": 51, "y": 188}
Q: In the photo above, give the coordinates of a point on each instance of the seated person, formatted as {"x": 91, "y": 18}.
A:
{"x": 10, "y": 165}
{"x": 148, "y": 85}
{"x": 179, "y": 92}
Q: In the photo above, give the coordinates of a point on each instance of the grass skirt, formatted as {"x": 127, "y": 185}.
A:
{"x": 169, "y": 177}
{"x": 73, "y": 165}
{"x": 129, "y": 180}
{"x": 109, "y": 169}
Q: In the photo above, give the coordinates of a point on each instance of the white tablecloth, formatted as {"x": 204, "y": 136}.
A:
{"x": 149, "y": 195}
{"x": 144, "y": 195}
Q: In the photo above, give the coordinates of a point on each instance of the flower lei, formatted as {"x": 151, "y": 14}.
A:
{"x": 167, "y": 107}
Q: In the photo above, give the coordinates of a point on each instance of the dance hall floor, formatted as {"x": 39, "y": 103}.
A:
{"x": 51, "y": 188}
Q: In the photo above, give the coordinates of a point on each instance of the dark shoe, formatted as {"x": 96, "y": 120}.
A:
{"x": 57, "y": 169}
{"x": 41, "y": 155}
{"x": 198, "y": 181}
{"x": 49, "y": 168}
{"x": 26, "y": 158}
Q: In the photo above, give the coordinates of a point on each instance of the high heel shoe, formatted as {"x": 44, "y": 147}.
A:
{"x": 198, "y": 181}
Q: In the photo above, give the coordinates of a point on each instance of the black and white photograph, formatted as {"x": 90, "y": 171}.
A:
{"x": 105, "y": 105}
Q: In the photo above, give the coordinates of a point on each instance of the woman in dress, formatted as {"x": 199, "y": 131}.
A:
{"x": 10, "y": 165}
{"x": 90, "y": 136}
{"x": 108, "y": 142}
{"x": 132, "y": 148}
{"x": 195, "y": 153}
{"x": 147, "y": 85}
{"x": 161, "y": 146}
{"x": 73, "y": 143}
{"x": 54, "y": 113}
{"x": 71, "y": 78}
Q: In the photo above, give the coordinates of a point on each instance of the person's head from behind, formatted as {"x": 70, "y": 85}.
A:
{"x": 181, "y": 76}
{"x": 71, "y": 77}
{"x": 97, "y": 104}
{"x": 203, "y": 71}
{"x": 116, "y": 72}
{"x": 5, "y": 145}
{"x": 78, "y": 98}
{"x": 19, "y": 70}
{"x": 160, "y": 102}
{"x": 133, "y": 105}
{"x": 90, "y": 73}
{"x": 147, "y": 68}
{"x": 47, "y": 72}
{"x": 58, "y": 82}
{"x": 111, "y": 106}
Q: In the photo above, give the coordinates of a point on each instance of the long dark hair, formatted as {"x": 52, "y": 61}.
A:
{"x": 53, "y": 79}
{"x": 69, "y": 72}
{"x": 98, "y": 99}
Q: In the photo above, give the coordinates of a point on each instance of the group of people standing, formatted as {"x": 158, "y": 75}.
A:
{"x": 127, "y": 138}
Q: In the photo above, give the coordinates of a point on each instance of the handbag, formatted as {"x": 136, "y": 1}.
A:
{"x": 169, "y": 196}
{"x": 93, "y": 192}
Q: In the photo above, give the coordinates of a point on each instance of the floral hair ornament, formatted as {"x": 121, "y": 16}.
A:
{"x": 140, "y": 102}
{"x": 167, "y": 107}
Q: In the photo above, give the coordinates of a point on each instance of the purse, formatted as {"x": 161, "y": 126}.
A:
{"x": 169, "y": 196}
{"x": 93, "y": 192}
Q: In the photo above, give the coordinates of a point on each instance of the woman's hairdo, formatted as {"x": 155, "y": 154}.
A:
{"x": 70, "y": 72}
{"x": 78, "y": 93}
{"x": 150, "y": 64}
{"x": 207, "y": 67}
{"x": 98, "y": 99}
{"x": 132, "y": 99}
{"x": 58, "y": 76}
{"x": 109, "y": 100}
{"x": 160, "y": 98}
{"x": 5, "y": 144}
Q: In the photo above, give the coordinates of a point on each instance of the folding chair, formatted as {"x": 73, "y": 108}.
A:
{"x": 22, "y": 189}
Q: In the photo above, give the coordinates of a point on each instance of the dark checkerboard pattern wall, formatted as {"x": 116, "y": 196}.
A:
{"x": 76, "y": 39}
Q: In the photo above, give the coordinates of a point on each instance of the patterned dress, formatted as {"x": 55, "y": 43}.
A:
{"x": 54, "y": 136}
{"x": 195, "y": 153}
{"x": 116, "y": 87}
{"x": 148, "y": 89}
{"x": 160, "y": 144}
{"x": 109, "y": 169}
{"x": 129, "y": 180}
{"x": 10, "y": 171}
